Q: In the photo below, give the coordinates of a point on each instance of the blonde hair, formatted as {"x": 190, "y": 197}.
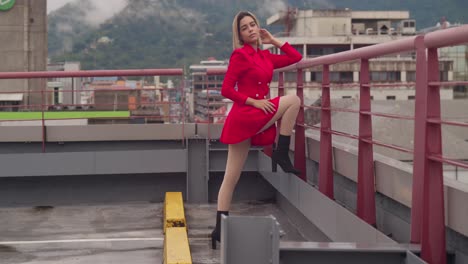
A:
{"x": 236, "y": 40}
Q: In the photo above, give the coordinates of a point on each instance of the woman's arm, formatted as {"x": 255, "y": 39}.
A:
{"x": 237, "y": 64}
{"x": 291, "y": 55}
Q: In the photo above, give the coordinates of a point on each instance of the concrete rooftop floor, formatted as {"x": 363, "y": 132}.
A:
{"x": 117, "y": 234}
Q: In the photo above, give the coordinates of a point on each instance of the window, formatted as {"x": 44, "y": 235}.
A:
{"x": 378, "y": 76}
{"x": 316, "y": 76}
{"x": 346, "y": 97}
{"x": 341, "y": 77}
{"x": 411, "y": 76}
{"x": 56, "y": 96}
{"x": 290, "y": 76}
{"x": 313, "y": 51}
{"x": 299, "y": 48}
{"x": 411, "y": 97}
{"x": 443, "y": 76}
{"x": 391, "y": 97}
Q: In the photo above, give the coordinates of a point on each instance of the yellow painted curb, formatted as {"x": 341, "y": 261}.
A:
{"x": 174, "y": 215}
{"x": 176, "y": 246}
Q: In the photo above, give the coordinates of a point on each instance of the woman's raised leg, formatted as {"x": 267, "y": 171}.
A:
{"x": 288, "y": 109}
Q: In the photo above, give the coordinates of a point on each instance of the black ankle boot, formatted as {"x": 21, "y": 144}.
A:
{"x": 216, "y": 234}
{"x": 281, "y": 155}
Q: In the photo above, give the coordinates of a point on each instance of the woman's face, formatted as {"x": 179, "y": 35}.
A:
{"x": 249, "y": 30}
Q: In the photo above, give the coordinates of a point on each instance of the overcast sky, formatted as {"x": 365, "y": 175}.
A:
{"x": 105, "y": 9}
{"x": 105, "y": 6}
{"x": 54, "y": 4}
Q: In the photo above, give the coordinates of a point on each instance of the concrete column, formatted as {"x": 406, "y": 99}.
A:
{"x": 197, "y": 171}
{"x": 403, "y": 76}
{"x": 355, "y": 76}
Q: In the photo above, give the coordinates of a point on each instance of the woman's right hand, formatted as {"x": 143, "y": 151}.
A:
{"x": 265, "y": 105}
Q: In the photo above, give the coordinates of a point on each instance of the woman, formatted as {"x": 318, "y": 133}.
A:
{"x": 252, "y": 117}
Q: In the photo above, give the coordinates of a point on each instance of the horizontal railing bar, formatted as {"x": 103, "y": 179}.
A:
{"x": 447, "y": 83}
{"x": 402, "y": 117}
{"x": 448, "y": 161}
{"x": 451, "y": 123}
{"x": 447, "y": 37}
{"x": 391, "y": 146}
{"x": 396, "y": 46}
{"x": 338, "y": 133}
{"x": 96, "y": 73}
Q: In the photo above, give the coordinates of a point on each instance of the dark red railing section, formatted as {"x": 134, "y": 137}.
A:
{"x": 44, "y": 93}
{"x": 427, "y": 220}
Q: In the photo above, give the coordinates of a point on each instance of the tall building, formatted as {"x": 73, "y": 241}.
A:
{"x": 207, "y": 105}
{"x": 23, "y": 34}
{"x": 316, "y": 33}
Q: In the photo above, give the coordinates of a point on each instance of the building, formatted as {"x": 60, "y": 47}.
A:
{"x": 207, "y": 104}
{"x": 24, "y": 48}
{"x": 316, "y": 33}
{"x": 458, "y": 54}
{"x": 66, "y": 91}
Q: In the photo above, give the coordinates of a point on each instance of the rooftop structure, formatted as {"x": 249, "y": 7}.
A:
{"x": 317, "y": 33}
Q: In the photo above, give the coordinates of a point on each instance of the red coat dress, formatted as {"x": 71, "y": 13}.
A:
{"x": 252, "y": 71}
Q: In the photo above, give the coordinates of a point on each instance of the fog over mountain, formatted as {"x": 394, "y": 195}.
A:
{"x": 177, "y": 33}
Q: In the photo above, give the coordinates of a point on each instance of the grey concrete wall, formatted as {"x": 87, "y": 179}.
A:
{"x": 23, "y": 45}
{"x": 89, "y": 189}
{"x": 106, "y": 171}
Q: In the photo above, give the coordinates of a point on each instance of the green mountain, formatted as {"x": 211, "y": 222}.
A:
{"x": 177, "y": 33}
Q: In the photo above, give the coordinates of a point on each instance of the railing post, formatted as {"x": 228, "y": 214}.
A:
{"x": 433, "y": 214}
{"x": 366, "y": 182}
{"x": 326, "y": 166}
{"x": 183, "y": 103}
{"x": 299, "y": 143}
{"x": 43, "y": 121}
{"x": 419, "y": 167}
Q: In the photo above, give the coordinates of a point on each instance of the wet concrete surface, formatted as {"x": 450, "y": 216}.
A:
{"x": 121, "y": 233}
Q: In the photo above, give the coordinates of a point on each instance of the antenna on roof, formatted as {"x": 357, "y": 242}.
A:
{"x": 289, "y": 19}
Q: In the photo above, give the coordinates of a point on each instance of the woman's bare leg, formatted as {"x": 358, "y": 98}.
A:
{"x": 287, "y": 110}
{"x": 237, "y": 154}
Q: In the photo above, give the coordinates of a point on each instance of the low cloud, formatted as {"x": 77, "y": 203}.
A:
{"x": 100, "y": 11}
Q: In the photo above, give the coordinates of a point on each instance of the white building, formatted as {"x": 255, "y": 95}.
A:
{"x": 207, "y": 104}
{"x": 321, "y": 32}
{"x": 66, "y": 91}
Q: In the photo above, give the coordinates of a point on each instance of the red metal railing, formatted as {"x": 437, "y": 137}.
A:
{"x": 427, "y": 218}
{"x": 45, "y": 94}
